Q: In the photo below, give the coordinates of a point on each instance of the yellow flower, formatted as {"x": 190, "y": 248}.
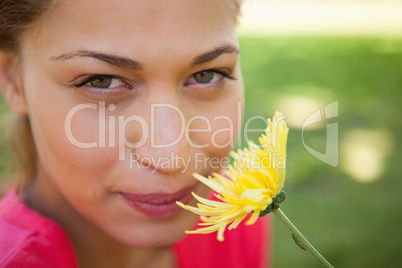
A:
{"x": 253, "y": 184}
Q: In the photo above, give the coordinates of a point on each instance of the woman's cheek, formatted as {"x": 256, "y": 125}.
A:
{"x": 68, "y": 139}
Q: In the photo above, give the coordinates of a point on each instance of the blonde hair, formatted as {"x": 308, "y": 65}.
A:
{"x": 16, "y": 17}
{"x": 23, "y": 151}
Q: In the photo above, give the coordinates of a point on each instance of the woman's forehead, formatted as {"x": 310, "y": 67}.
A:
{"x": 152, "y": 17}
{"x": 152, "y": 26}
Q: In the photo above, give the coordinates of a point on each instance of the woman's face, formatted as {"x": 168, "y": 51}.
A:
{"x": 126, "y": 100}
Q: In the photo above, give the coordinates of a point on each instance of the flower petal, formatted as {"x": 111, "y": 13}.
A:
{"x": 253, "y": 218}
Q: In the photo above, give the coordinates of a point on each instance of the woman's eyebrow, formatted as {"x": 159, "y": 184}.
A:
{"x": 209, "y": 56}
{"x": 117, "y": 61}
{"x": 126, "y": 63}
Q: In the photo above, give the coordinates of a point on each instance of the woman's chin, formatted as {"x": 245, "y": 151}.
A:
{"x": 155, "y": 233}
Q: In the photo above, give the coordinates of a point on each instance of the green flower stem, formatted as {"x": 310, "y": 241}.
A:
{"x": 300, "y": 239}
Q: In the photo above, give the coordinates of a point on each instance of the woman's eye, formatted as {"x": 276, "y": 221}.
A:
{"x": 106, "y": 82}
{"x": 206, "y": 77}
{"x": 102, "y": 82}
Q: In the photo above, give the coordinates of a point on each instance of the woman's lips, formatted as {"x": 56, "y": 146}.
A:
{"x": 159, "y": 205}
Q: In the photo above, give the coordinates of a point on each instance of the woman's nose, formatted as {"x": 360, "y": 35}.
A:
{"x": 167, "y": 148}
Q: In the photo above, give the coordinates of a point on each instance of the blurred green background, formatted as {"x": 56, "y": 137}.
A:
{"x": 352, "y": 212}
{"x": 5, "y": 163}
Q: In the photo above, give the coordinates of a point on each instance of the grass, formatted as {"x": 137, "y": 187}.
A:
{"x": 352, "y": 224}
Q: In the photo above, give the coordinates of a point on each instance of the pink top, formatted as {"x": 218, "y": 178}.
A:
{"x": 27, "y": 239}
